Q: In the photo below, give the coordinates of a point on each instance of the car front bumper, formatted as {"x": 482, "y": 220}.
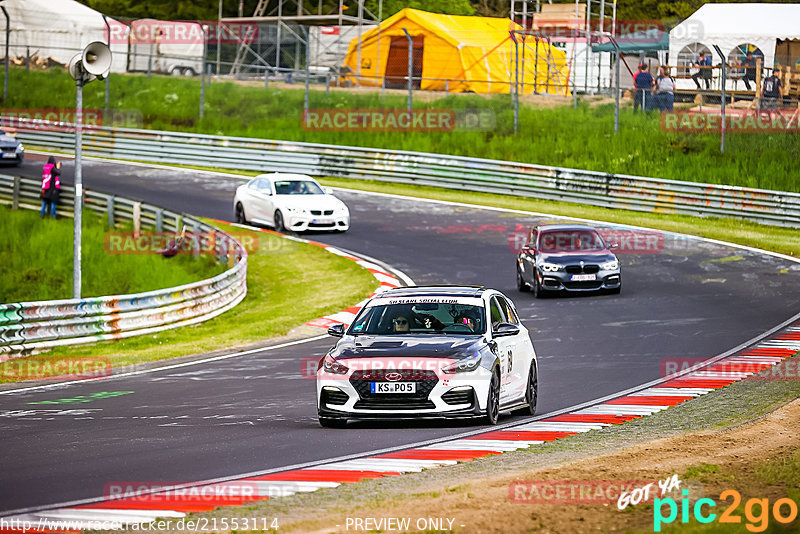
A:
{"x": 302, "y": 222}
{"x": 562, "y": 281}
{"x": 453, "y": 396}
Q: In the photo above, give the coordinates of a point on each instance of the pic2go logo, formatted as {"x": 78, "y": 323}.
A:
{"x": 756, "y": 511}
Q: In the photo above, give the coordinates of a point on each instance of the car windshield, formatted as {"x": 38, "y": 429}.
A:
{"x": 420, "y": 318}
{"x": 297, "y": 187}
{"x": 570, "y": 241}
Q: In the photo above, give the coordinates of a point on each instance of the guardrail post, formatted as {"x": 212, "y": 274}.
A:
{"x": 137, "y": 218}
{"x": 112, "y": 223}
{"x": 15, "y": 196}
{"x": 178, "y": 223}
{"x": 159, "y": 220}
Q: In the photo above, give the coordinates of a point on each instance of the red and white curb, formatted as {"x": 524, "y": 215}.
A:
{"x": 177, "y": 502}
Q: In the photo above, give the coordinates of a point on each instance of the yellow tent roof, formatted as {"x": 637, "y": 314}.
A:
{"x": 477, "y": 49}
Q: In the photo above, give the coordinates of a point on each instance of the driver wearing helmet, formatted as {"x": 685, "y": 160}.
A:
{"x": 467, "y": 318}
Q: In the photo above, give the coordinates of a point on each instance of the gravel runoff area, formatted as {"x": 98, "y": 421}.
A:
{"x": 726, "y": 439}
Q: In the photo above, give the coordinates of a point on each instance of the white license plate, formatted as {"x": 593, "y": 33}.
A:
{"x": 9, "y": 154}
{"x": 393, "y": 387}
{"x": 583, "y": 277}
{"x": 323, "y": 220}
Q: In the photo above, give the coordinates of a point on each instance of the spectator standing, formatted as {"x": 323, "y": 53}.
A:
{"x": 703, "y": 64}
{"x": 749, "y": 64}
{"x": 642, "y": 81}
{"x": 51, "y": 186}
{"x": 665, "y": 89}
{"x": 772, "y": 90}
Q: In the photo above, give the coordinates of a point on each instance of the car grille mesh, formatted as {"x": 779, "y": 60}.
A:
{"x": 586, "y": 269}
{"x": 333, "y": 397}
{"x": 465, "y": 396}
{"x": 424, "y": 381}
{"x": 319, "y": 212}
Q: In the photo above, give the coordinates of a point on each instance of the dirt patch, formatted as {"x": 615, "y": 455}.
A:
{"x": 727, "y": 459}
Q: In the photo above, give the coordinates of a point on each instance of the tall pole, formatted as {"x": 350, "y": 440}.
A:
{"x": 308, "y": 74}
{"x": 722, "y": 105}
{"x": 78, "y": 207}
{"x": 203, "y": 71}
{"x": 219, "y": 35}
{"x": 378, "y": 46}
{"x": 516, "y": 82}
{"x": 410, "y": 67}
{"x": 8, "y": 34}
{"x": 108, "y": 78}
{"x": 616, "y": 85}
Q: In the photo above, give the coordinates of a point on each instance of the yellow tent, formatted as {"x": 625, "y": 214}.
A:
{"x": 454, "y": 53}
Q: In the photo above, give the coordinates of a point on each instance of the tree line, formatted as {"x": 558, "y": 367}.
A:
{"x": 207, "y": 9}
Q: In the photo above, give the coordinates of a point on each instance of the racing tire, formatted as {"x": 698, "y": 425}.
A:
{"x": 493, "y": 400}
{"x": 279, "y": 227}
{"x": 189, "y": 71}
{"x": 531, "y": 392}
{"x": 522, "y": 286}
{"x": 332, "y": 422}
{"x": 239, "y": 215}
{"x": 537, "y": 288}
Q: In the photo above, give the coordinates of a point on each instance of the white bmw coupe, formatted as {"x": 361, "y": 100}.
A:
{"x": 293, "y": 202}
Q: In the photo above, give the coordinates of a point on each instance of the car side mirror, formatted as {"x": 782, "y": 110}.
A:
{"x": 613, "y": 246}
{"x": 505, "y": 329}
{"x": 327, "y": 190}
{"x": 336, "y": 330}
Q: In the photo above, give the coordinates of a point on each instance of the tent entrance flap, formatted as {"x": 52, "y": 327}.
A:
{"x": 397, "y": 62}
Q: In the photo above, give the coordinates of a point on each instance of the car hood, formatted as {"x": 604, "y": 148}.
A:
{"x": 569, "y": 258}
{"x": 404, "y": 346}
{"x": 309, "y": 202}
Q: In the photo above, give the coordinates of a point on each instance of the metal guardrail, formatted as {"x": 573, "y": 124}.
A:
{"x": 28, "y": 327}
{"x": 453, "y": 172}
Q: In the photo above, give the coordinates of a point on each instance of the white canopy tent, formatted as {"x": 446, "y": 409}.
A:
{"x": 736, "y": 29}
{"x": 59, "y": 29}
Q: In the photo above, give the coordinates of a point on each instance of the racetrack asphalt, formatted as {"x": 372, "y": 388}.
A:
{"x": 691, "y": 299}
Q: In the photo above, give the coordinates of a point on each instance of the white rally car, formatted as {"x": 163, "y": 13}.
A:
{"x": 293, "y": 202}
{"x": 438, "y": 351}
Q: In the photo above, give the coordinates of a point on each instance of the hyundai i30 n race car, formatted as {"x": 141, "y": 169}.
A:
{"x": 568, "y": 258}
{"x": 443, "y": 351}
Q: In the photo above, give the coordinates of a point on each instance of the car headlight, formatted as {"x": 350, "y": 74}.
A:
{"x": 550, "y": 267}
{"x": 295, "y": 210}
{"x": 464, "y": 365}
{"x": 329, "y": 365}
{"x": 612, "y": 265}
{"x": 20, "y": 148}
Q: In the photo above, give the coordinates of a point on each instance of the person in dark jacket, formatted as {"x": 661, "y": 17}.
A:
{"x": 642, "y": 84}
{"x": 703, "y": 66}
{"x": 749, "y": 64}
{"x": 51, "y": 186}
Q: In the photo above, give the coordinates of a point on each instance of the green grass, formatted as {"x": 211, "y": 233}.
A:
{"x": 774, "y": 238}
{"x": 283, "y": 291}
{"x": 37, "y": 261}
{"x": 581, "y": 138}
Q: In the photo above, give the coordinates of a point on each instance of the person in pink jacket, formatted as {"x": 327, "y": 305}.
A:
{"x": 51, "y": 186}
